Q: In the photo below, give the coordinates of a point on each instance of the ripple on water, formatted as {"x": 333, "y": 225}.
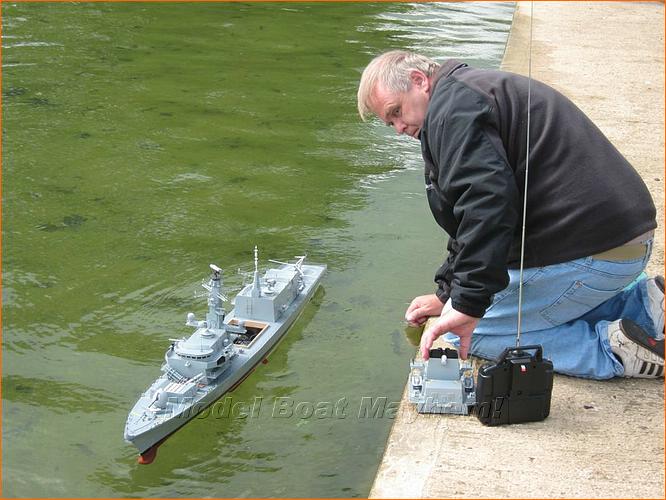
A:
{"x": 61, "y": 397}
{"x": 149, "y": 144}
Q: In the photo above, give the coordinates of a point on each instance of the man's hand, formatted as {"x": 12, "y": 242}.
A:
{"x": 422, "y": 308}
{"x": 449, "y": 321}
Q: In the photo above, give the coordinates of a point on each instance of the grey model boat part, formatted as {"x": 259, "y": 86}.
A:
{"x": 443, "y": 384}
{"x": 222, "y": 351}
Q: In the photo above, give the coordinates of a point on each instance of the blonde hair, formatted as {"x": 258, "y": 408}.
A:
{"x": 391, "y": 69}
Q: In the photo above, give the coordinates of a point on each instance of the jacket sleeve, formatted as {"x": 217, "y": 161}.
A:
{"x": 476, "y": 180}
{"x": 443, "y": 275}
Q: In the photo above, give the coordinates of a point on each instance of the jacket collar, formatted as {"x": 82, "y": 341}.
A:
{"x": 446, "y": 70}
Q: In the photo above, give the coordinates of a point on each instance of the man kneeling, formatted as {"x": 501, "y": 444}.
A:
{"x": 589, "y": 227}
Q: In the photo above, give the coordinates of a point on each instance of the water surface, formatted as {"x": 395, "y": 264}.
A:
{"x": 142, "y": 142}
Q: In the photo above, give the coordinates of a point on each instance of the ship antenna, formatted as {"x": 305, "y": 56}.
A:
{"x": 256, "y": 287}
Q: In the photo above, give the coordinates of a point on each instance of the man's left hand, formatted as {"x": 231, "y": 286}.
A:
{"x": 452, "y": 321}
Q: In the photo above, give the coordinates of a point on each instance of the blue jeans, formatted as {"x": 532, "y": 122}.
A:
{"x": 567, "y": 308}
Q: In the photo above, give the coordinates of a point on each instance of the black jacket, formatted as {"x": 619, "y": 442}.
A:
{"x": 583, "y": 195}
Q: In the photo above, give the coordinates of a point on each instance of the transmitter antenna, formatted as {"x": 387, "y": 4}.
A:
{"x": 527, "y": 169}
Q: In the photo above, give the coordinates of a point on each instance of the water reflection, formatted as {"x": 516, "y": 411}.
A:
{"x": 413, "y": 334}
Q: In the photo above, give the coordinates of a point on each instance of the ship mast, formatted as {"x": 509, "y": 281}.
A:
{"x": 256, "y": 287}
{"x": 215, "y": 316}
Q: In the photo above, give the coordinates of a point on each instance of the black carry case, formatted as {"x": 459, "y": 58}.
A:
{"x": 517, "y": 388}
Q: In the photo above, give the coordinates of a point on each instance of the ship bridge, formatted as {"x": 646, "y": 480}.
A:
{"x": 196, "y": 347}
{"x": 266, "y": 300}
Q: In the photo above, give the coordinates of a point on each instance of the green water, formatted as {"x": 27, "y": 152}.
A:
{"x": 142, "y": 142}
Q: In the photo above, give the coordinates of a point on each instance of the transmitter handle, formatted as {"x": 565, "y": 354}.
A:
{"x": 509, "y": 350}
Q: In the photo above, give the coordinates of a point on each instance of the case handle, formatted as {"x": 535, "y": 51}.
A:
{"x": 535, "y": 347}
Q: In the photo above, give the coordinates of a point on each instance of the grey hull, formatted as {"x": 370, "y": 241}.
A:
{"x": 148, "y": 425}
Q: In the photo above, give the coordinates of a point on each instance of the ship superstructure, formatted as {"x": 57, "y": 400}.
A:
{"x": 222, "y": 351}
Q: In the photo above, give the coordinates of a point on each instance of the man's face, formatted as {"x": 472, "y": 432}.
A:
{"x": 404, "y": 111}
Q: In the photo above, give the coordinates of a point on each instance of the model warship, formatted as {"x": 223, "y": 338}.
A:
{"x": 222, "y": 351}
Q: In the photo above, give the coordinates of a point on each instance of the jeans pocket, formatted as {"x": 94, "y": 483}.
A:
{"x": 576, "y": 301}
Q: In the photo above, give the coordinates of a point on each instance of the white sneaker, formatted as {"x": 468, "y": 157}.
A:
{"x": 641, "y": 355}
{"x": 655, "y": 291}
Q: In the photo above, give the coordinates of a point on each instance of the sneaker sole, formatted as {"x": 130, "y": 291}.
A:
{"x": 636, "y": 334}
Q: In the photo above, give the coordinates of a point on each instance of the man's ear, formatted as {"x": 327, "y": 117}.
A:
{"x": 419, "y": 79}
